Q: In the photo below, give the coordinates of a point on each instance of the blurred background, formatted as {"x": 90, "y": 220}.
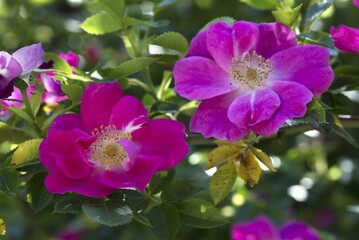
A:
{"x": 318, "y": 176}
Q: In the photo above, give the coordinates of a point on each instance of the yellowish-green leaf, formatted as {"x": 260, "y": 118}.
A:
{"x": 239, "y": 144}
{"x": 222, "y": 181}
{"x": 172, "y": 40}
{"x": 101, "y": 23}
{"x": 263, "y": 157}
{"x": 220, "y": 155}
{"x": 248, "y": 168}
{"x": 287, "y": 16}
{"x": 2, "y": 227}
{"x": 26, "y": 151}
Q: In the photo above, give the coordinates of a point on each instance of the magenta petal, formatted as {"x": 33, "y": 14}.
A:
{"x": 220, "y": 44}
{"x": 90, "y": 186}
{"x": 200, "y": 78}
{"x": 66, "y": 122}
{"x": 29, "y": 57}
{"x": 140, "y": 174}
{"x": 98, "y": 101}
{"x": 305, "y": 64}
{"x": 259, "y": 229}
{"x": 211, "y": 120}
{"x": 246, "y": 35}
{"x": 346, "y": 38}
{"x": 294, "y": 98}
{"x": 126, "y": 111}
{"x": 356, "y": 3}
{"x": 132, "y": 150}
{"x": 167, "y": 139}
{"x": 198, "y": 46}
{"x": 274, "y": 37}
{"x": 250, "y": 109}
{"x": 298, "y": 230}
{"x": 70, "y": 57}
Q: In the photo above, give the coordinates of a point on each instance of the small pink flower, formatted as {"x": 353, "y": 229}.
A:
{"x": 345, "y": 38}
{"x": 356, "y": 3}
{"x": 262, "y": 228}
{"x": 250, "y": 77}
{"x": 15, "y": 99}
{"x": 110, "y": 145}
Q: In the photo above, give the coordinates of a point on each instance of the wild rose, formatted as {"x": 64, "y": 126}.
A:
{"x": 345, "y": 38}
{"x": 53, "y": 93}
{"x": 250, "y": 77}
{"x": 110, "y": 145}
{"x": 262, "y": 228}
{"x": 20, "y": 63}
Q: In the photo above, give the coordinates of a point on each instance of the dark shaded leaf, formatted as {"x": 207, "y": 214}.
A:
{"x": 37, "y": 195}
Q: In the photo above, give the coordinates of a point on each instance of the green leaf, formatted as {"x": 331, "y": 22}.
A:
{"x": 100, "y": 24}
{"x": 9, "y": 181}
{"x": 220, "y": 155}
{"x": 178, "y": 190}
{"x": 59, "y": 63}
{"x": 165, "y": 221}
{"x": 69, "y": 204}
{"x": 171, "y": 40}
{"x": 139, "y": 217}
{"x": 350, "y": 71}
{"x": 200, "y": 214}
{"x": 160, "y": 180}
{"x": 22, "y": 114}
{"x": 116, "y": 8}
{"x": 248, "y": 168}
{"x": 263, "y": 157}
{"x": 73, "y": 91}
{"x": 26, "y": 152}
{"x": 37, "y": 195}
{"x": 222, "y": 181}
{"x": 261, "y": 4}
{"x": 287, "y": 17}
{"x": 128, "y": 68}
{"x": 318, "y": 38}
{"x": 226, "y": 19}
{"x": 35, "y": 102}
{"x": 316, "y": 111}
{"x": 108, "y": 212}
{"x": 164, "y": 107}
{"x": 339, "y": 130}
{"x": 314, "y": 11}
{"x": 130, "y": 21}
{"x": 163, "y": 5}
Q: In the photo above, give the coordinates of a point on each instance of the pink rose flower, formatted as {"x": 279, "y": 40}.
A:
{"x": 250, "y": 77}
{"x": 262, "y": 228}
{"x": 110, "y": 145}
{"x": 356, "y": 3}
{"x": 345, "y": 38}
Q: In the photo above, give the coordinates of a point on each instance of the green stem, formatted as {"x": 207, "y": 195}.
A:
{"x": 30, "y": 112}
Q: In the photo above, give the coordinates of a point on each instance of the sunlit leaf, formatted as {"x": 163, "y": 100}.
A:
{"x": 262, "y": 4}
{"x": 248, "y": 168}
{"x": 101, "y": 23}
{"x": 171, "y": 40}
{"x": 316, "y": 111}
{"x": 73, "y": 91}
{"x": 26, "y": 152}
{"x": 287, "y": 17}
{"x": 228, "y": 20}
{"x": 220, "y": 155}
{"x": 263, "y": 157}
{"x": 59, "y": 63}
{"x": 35, "y": 102}
{"x": 114, "y": 7}
{"x": 2, "y": 227}
{"x": 222, "y": 181}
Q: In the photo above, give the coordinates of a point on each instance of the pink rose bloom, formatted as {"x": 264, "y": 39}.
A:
{"x": 53, "y": 93}
{"x": 250, "y": 77}
{"x": 15, "y": 99}
{"x": 345, "y": 38}
{"x": 110, "y": 145}
{"x": 262, "y": 228}
{"x": 356, "y": 3}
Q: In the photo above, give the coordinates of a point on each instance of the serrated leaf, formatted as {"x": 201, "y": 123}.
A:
{"x": 37, "y": 195}
{"x": 35, "y": 102}
{"x": 222, "y": 181}
{"x": 172, "y": 40}
{"x": 101, "y": 23}
{"x": 318, "y": 38}
{"x": 160, "y": 180}
{"x": 287, "y": 17}
{"x": 178, "y": 190}
{"x": 316, "y": 111}
{"x": 228, "y": 20}
{"x": 200, "y": 214}
{"x": 130, "y": 21}
{"x": 9, "y": 181}
{"x": 220, "y": 155}
{"x": 314, "y": 11}
{"x": 69, "y": 204}
{"x": 165, "y": 221}
{"x": 26, "y": 152}
{"x": 73, "y": 91}
{"x": 351, "y": 71}
{"x": 128, "y": 68}
{"x": 115, "y": 8}
{"x": 59, "y": 63}
{"x": 108, "y": 212}
{"x": 263, "y": 157}
{"x": 261, "y": 4}
{"x": 248, "y": 168}
{"x": 164, "y": 107}
{"x": 139, "y": 217}
{"x": 22, "y": 114}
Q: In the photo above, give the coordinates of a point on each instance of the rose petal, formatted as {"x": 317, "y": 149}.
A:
{"x": 250, "y": 109}
{"x": 245, "y": 37}
{"x": 132, "y": 150}
{"x": 198, "y": 46}
{"x": 220, "y": 44}
{"x": 71, "y": 58}
{"x": 305, "y": 64}
{"x": 211, "y": 120}
{"x": 261, "y": 228}
{"x": 345, "y": 38}
{"x": 98, "y": 101}
{"x": 274, "y": 37}
{"x": 29, "y": 57}
{"x": 298, "y": 230}
{"x": 294, "y": 98}
{"x": 66, "y": 122}
{"x": 200, "y": 78}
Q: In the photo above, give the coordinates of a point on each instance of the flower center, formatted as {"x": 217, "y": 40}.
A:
{"x": 105, "y": 152}
{"x": 250, "y": 71}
